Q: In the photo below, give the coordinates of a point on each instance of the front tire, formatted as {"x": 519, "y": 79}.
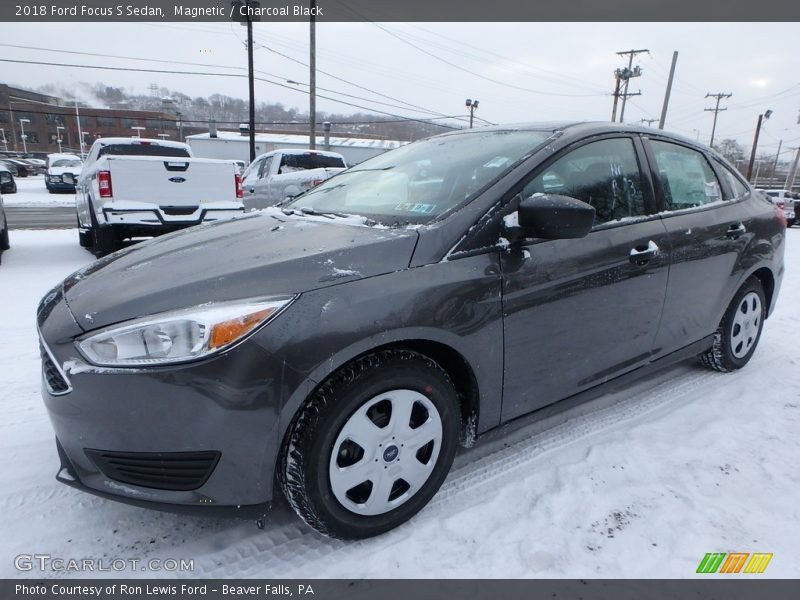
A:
{"x": 372, "y": 445}
{"x": 5, "y": 244}
{"x": 738, "y": 334}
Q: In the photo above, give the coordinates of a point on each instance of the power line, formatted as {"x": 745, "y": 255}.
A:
{"x": 236, "y": 75}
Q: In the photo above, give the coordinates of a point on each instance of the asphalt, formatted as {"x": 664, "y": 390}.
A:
{"x": 41, "y": 217}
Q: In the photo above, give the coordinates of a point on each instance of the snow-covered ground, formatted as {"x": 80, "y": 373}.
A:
{"x": 31, "y": 191}
{"x": 636, "y": 484}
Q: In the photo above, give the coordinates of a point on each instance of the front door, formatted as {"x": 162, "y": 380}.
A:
{"x": 579, "y": 312}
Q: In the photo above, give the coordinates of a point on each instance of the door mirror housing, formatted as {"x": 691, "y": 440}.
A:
{"x": 552, "y": 217}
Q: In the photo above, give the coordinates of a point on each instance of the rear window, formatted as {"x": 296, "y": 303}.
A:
{"x": 66, "y": 162}
{"x": 142, "y": 150}
{"x": 301, "y": 162}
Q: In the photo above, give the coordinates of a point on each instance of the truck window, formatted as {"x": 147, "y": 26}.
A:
{"x": 142, "y": 150}
{"x": 301, "y": 162}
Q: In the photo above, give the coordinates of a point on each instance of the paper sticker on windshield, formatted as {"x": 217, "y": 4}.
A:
{"x": 416, "y": 207}
{"x": 711, "y": 189}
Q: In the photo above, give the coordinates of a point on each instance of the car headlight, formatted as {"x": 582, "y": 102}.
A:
{"x": 179, "y": 336}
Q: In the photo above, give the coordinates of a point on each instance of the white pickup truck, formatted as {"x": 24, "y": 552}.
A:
{"x": 136, "y": 187}
{"x": 281, "y": 174}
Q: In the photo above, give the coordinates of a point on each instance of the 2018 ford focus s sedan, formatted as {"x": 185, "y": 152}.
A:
{"x": 339, "y": 348}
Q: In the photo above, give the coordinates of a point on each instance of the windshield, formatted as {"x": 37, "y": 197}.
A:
{"x": 421, "y": 181}
{"x": 143, "y": 150}
{"x": 65, "y": 162}
{"x": 312, "y": 160}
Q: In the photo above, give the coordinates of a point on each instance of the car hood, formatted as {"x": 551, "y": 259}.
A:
{"x": 256, "y": 255}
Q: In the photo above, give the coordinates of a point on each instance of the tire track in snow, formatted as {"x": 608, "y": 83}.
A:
{"x": 287, "y": 544}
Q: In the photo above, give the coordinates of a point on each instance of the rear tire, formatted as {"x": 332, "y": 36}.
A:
{"x": 104, "y": 240}
{"x": 738, "y": 334}
{"x": 393, "y": 401}
{"x": 4, "y": 242}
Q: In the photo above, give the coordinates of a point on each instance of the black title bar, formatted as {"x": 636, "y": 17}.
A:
{"x": 400, "y": 10}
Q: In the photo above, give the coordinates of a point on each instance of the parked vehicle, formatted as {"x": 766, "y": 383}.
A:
{"x": 23, "y": 169}
{"x": 62, "y": 174}
{"x": 275, "y": 176}
{"x": 39, "y": 165}
{"x": 349, "y": 341}
{"x": 785, "y": 200}
{"x": 7, "y": 183}
{"x": 4, "y": 243}
{"x": 132, "y": 187}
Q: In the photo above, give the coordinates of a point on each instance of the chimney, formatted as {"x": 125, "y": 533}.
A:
{"x": 326, "y": 127}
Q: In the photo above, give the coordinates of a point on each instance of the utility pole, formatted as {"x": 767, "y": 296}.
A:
{"x": 244, "y": 11}
{"x": 312, "y": 78}
{"x": 626, "y": 75}
{"x": 616, "y": 96}
{"x": 716, "y": 110}
{"x": 472, "y": 105}
{"x": 4, "y": 140}
{"x": 766, "y": 115}
{"x": 650, "y": 121}
{"x": 793, "y": 171}
{"x": 669, "y": 90}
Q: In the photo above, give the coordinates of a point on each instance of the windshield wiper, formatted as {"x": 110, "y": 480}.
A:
{"x": 306, "y": 210}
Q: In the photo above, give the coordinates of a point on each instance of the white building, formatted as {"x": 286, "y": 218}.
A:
{"x": 235, "y": 146}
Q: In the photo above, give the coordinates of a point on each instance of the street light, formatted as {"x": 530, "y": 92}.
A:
{"x": 138, "y": 131}
{"x": 23, "y": 136}
{"x": 473, "y": 106}
{"x": 58, "y": 136}
{"x": 761, "y": 118}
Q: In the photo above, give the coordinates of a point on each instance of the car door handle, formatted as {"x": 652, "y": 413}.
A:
{"x": 736, "y": 230}
{"x": 641, "y": 255}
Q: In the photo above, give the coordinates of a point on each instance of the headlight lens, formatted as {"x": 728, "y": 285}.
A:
{"x": 179, "y": 336}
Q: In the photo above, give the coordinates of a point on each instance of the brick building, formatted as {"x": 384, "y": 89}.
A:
{"x": 45, "y": 117}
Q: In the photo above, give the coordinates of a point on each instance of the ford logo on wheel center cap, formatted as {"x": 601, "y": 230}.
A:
{"x": 390, "y": 453}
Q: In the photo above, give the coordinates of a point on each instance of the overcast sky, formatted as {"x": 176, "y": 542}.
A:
{"x": 519, "y": 72}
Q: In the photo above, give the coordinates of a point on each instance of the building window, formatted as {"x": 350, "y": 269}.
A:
{"x": 107, "y": 122}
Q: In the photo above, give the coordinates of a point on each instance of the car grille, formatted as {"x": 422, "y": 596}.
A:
{"x": 178, "y": 471}
{"x": 54, "y": 380}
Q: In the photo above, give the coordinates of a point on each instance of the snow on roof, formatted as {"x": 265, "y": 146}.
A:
{"x": 137, "y": 140}
{"x": 288, "y": 138}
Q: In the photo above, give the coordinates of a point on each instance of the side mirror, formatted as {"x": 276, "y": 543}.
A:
{"x": 553, "y": 217}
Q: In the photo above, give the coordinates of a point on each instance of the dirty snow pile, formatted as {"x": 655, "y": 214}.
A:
{"x": 640, "y": 483}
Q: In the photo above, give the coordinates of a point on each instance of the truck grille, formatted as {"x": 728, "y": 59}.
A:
{"x": 180, "y": 471}
{"x": 53, "y": 379}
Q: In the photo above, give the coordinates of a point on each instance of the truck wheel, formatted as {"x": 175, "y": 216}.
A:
{"x": 104, "y": 239}
{"x": 372, "y": 445}
{"x": 4, "y": 243}
{"x": 737, "y": 337}
{"x": 84, "y": 236}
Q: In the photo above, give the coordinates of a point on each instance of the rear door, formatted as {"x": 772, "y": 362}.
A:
{"x": 578, "y": 312}
{"x": 708, "y": 227}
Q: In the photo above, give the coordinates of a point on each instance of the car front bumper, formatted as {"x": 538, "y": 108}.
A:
{"x": 228, "y": 405}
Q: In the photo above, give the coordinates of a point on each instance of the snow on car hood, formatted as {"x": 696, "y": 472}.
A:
{"x": 252, "y": 256}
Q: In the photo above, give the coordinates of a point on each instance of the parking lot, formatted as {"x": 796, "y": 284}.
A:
{"x": 637, "y": 484}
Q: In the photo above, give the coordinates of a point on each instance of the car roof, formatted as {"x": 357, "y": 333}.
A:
{"x": 577, "y": 129}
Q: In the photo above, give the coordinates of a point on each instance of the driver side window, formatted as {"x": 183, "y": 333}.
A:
{"x": 604, "y": 174}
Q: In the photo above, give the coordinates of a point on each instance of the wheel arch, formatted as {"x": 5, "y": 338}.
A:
{"x": 767, "y": 279}
{"x": 455, "y": 364}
